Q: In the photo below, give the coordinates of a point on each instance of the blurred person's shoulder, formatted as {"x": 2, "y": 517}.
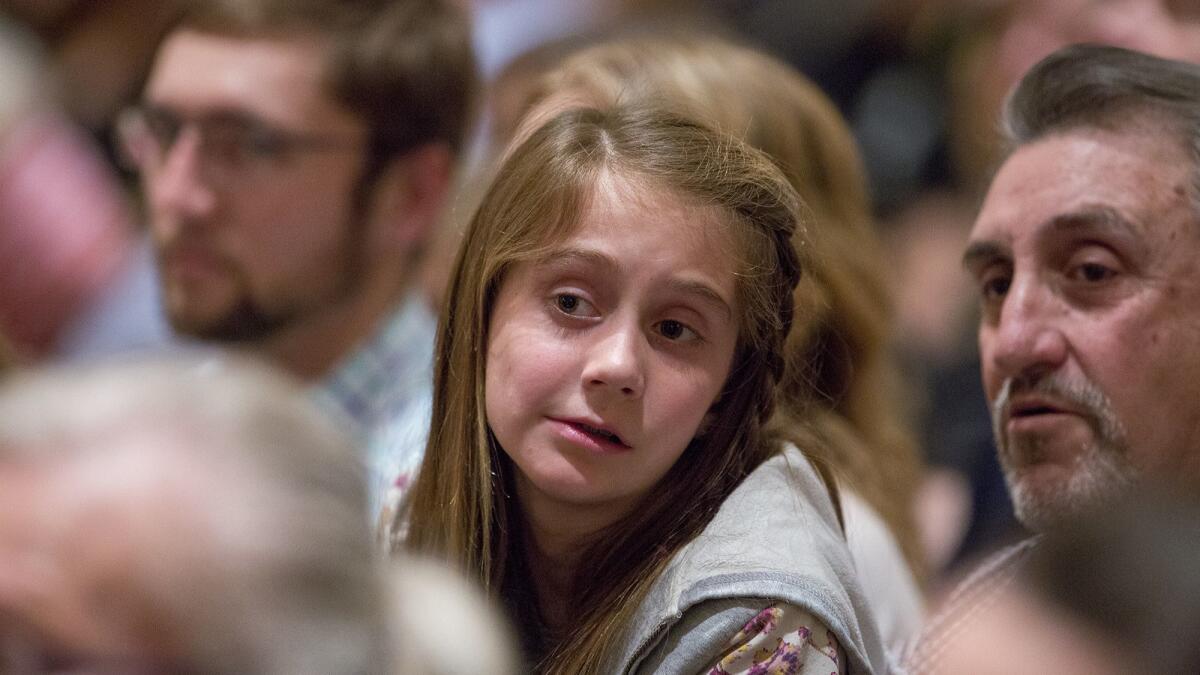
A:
{"x": 981, "y": 586}
{"x": 443, "y": 624}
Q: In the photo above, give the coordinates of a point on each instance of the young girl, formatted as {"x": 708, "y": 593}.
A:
{"x": 843, "y": 388}
{"x": 607, "y": 360}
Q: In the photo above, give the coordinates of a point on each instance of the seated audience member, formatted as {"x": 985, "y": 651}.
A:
{"x": 76, "y": 277}
{"x": 1115, "y": 592}
{"x": 1084, "y": 255}
{"x": 444, "y": 626}
{"x": 608, "y": 363}
{"x": 190, "y": 517}
{"x": 180, "y": 517}
{"x": 841, "y": 382}
{"x": 293, "y": 157}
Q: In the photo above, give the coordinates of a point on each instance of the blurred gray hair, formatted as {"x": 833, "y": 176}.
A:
{"x": 288, "y": 582}
{"x": 1109, "y": 88}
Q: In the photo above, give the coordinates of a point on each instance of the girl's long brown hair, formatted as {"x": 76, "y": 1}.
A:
{"x": 842, "y": 398}
{"x": 461, "y": 507}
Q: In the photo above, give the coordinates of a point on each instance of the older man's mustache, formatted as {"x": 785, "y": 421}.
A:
{"x": 1080, "y": 397}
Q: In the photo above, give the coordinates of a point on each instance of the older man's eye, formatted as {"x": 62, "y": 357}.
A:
{"x": 994, "y": 285}
{"x": 1093, "y": 272}
{"x": 1093, "y": 264}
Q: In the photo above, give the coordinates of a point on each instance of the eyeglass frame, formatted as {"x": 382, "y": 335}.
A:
{"x": 250, "y": 143}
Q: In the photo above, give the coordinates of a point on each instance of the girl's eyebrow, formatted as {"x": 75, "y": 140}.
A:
{"x": 570, "y": 257}
{"x": 564, "y": 258}
{"x": 703, "y": 293}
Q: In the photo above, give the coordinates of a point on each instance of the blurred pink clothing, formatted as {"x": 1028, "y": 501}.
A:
{"x": 67, "y": 244}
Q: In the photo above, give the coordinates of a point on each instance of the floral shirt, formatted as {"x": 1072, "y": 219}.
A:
{"x": 782, "y": 640}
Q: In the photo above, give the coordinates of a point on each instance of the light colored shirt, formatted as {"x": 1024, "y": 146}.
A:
{"x": 886, "y": 578}
{"x": 126, "y": 316}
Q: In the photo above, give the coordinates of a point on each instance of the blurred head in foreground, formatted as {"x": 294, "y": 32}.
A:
{"x": 176, "y": 516}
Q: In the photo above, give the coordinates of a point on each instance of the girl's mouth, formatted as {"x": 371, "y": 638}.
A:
{"x": 602, "y": 433}
{"x": 594, "y": 436}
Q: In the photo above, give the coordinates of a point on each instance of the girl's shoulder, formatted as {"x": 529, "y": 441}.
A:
{"x": 786, "y": 487}
{"x": 741, "y": 636}
{"x": 776, "y": 540}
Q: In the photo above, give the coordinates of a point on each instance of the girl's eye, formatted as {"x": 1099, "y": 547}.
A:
{"x": 676, "y": 331}
{"x": 573, "y": 305}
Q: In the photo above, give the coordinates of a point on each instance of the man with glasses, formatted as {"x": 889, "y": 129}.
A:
{"x": 294, "y": 155}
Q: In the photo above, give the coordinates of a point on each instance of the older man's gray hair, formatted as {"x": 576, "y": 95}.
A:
{"x": 1108, "y": 88}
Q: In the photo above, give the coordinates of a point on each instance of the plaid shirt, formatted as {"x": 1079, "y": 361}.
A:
{"x": 386, "y": 389}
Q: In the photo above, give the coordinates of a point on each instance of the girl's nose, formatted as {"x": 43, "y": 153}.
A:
{"x": 614, "y": 362}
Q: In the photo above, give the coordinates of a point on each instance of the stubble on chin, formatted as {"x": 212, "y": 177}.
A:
{"x": 238, "y": 319}
{"x": 243, "y": 321}
{"x": 1099, "y": 471}
{"x": 244, "y": 324}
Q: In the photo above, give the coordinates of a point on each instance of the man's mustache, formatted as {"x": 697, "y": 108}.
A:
{"x": 1081, "y": 397}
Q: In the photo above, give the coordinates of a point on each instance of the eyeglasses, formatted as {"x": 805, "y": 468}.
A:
{"x": 232, "y": 146}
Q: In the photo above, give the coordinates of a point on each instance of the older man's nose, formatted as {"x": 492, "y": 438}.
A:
{"x": 1026, "y": 338}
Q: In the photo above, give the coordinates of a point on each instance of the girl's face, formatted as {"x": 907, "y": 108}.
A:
{"x": 604, "y": 358}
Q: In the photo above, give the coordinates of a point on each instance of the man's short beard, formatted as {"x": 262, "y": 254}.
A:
{"x": 1101, "y": 472}
{"x": 245, "y": 324}
{"x": 249, "y": 322}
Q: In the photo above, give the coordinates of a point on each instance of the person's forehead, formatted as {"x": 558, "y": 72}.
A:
{"x": 280, "y": 77}
{"x": 624, "y": 196}
{"x": 1082, "y": 175}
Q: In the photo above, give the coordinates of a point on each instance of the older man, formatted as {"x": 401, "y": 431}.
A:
{"x": 1084, "y": 254}
{"x": 1085, "y": 257}
{"x": 294, "y": 155}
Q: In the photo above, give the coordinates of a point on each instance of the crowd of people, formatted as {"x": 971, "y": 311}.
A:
{"x": 592, "y": 363}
